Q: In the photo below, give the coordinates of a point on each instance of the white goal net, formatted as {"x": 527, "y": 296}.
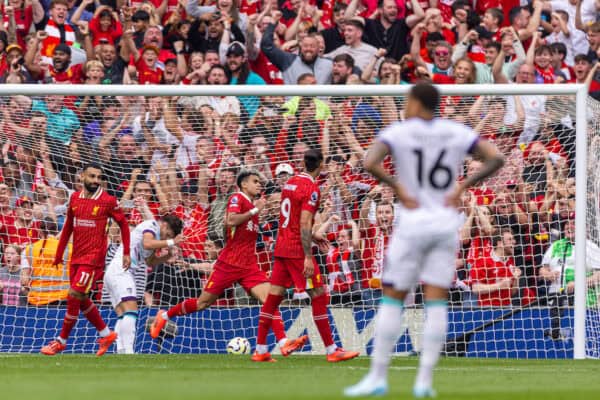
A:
{"x": 514, "y": 292}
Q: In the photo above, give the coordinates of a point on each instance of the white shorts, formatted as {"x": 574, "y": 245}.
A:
{"x": 119, "y": 284}
{"x": 425, "y": 256}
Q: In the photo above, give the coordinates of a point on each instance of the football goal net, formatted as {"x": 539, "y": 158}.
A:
{"x": 527, "y": 264}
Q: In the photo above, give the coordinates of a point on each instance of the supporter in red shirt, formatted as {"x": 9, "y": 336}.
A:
{"x": 23, "y": 229}
{"x": 540, "y": 56}
{"x": 193, "y": 211}
{"x": 376, "y": 237}
{"x": 147, "y": 66}
{"x": 6, "y": 213}
{"x": 105, "y": 26}
{"x": 61, "y": 69}
{"x": 342, "y": 261}
{"x": 24, "y": 15}
{"x": 494, "y": 277}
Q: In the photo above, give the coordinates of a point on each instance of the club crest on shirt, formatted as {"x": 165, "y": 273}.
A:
{"x": 95, "y": 210}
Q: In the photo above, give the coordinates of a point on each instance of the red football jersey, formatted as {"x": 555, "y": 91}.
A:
{"x": 240, "y": 248}
{"x": 12, "y": 234}
{"x": 301, "y": 192}
{"x": 86, "y": 220}
{"x": 195, "y": 230}
{"x": 489, "y": 270}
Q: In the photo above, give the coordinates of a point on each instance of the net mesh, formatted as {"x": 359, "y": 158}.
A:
{"x": 512, "y": 296}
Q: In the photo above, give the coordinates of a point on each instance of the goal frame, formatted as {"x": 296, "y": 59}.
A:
{"x": 578, "y": 90}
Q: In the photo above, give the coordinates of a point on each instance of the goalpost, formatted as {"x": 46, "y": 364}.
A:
{"x": 21, "y": 321}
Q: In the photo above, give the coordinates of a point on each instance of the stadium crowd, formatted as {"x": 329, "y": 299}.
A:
{"x": 182, "y": 154}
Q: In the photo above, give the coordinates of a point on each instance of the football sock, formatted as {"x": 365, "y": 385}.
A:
{"x": 73, "y": 305}
{"x": 319, "y": 311}
{"x": 185, "y": 307}
{"x": 265, "y": 319}
{"x": 128, "y": 328}
{"x": 387, "y": 331}
{"x": 89, "y": 309}
{"x": 434, "y": 335}
{"x": 120, "y": 347}
{"x": 278, "y": 328}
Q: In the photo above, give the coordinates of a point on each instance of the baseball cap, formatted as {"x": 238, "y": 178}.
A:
{"x": 284, "y": 167}
{"x": 236, "y": 48}
{"x": 511, "y": 183}
{"x": 22, "y": 200}
{"x": 435, "y": 37}
{"x": 14, "y": 46}
{"x": 64, "y": 48}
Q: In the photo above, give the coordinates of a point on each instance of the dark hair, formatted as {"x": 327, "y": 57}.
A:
{"x": 582, "y": 57}
{"x": 174, "y": 222}
{"x": 312, "y": 159}
{"x": 94, "y": 165}
{"x": 346, "y": 59}
{"x": 48, "y": 227}
{"x": 245, "y": 174}
{"x": 339, "y": 6}
{"x": 495, "y": 45}
{"x": 497, "y": 238}
{"x": 497, "y": 14}
{"x": 459, "y": 5}
{"x": 219, "y": 66}
{"x": 542, "y": 49}
{"x": 559, "y": 47}
{"x": 514, "y": 13}
{"x": 427, "y": 95}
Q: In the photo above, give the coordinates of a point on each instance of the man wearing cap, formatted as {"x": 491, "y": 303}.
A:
{"x": 360, "y": 51}
{"x": 23, "y": 230}
{"x": 60, "y": 70}
{"x": 283, "y": 172}
{"x": 387, "y": 31}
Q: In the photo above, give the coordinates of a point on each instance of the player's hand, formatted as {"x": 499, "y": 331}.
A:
{"x": 260, "y": 203}
{"x": 407, "y": 201}
{"x": 126, "y": 262}
{"x": 571, "y": 287}
{"x": 309, "y": 267}
{"x": 179, "y": 239}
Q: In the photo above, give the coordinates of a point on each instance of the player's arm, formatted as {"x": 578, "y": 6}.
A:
{"x": 149, "y": 241}
{"x": 118, "y": 216}
{"x": 492, "y": 161}
{"x": 306, "y": 222}
{"x": 65, "y": 235}
{"x": 373, "y": 164}
{"x": 235, "y": 219}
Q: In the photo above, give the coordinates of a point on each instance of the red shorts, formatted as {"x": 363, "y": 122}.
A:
{"x": 291, "y": 270}
{"x": 83, "y": 276}
{"x": 225, "y": 275}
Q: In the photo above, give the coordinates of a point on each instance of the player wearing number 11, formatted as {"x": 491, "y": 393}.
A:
{"x": 428, "y": 153}
{"x": 87, "y": 215}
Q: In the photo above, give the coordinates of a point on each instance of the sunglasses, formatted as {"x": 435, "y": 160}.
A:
{"x": 441, "y": 53}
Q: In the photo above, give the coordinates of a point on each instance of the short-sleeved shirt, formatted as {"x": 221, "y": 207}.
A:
{"x": 489, "y": 270}
{"x": 300, "y": 193}
{"x": 560, "y": 257}
{"x": 394, "y": 39}
{"x": 240, "y": 245}
{"x": 61, "y": 125}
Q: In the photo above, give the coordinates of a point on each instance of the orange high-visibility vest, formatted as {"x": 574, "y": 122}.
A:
{"x": 48, "y": 283}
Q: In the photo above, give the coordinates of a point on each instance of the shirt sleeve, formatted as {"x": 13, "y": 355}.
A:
{"x": 547, "y": 259}
{"x": 234, "y": 205}
{"x": 311, "y": 199}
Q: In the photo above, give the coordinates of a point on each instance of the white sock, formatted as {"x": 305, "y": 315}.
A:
{"x": 120, "y": 348}
{"x": 282, "y": 342}
{"x": 128, "y": 328}
{"x": 434, "y": 336}
{"x": 331, "y": 348}
{"x": 387, "y": 331}
{"x": 61, "y": 340}
{"x": 262, "y": 348}
{"x": 104, "y": 332}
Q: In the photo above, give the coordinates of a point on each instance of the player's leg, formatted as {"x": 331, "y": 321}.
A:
{"x": 87, "y": 306}
{"x": 280, "y": 279}
{"x": 122, "y": 291}
{"x": 220, "y": 279}
{"x": 76, "y": 294}
{"x": 437, "y": 275}
{"x": 127, "y": 327}
{"x": 259, "y": 287}
{"x": 400, "y": 274}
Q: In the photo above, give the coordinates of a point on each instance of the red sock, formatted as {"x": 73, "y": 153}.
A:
{"x": 265, "y": 319}
{"x": 71, "y": 315}
{"x": 277, "y": 326}
{"x": 185, "y": 307}
{"x": 89, "y": 309}
{"x": 319, "y": 311}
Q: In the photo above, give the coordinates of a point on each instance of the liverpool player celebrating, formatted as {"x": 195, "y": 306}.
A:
{"x": 87, "y": 216}
{"x": 294, "y": 262}
{"x": 237, "y": 262}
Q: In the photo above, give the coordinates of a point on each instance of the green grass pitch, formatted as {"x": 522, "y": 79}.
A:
{"x": 180, "y": 377}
